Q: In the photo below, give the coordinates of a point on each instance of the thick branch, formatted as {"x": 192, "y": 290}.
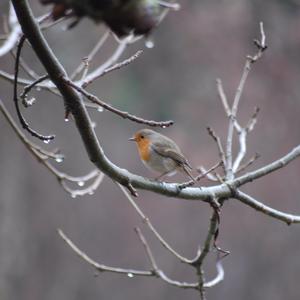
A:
{"x": 198, "y": 261}
{"x": 75, "y": 104}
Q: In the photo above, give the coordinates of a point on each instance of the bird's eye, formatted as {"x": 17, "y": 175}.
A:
{"x": 142, "y": 136}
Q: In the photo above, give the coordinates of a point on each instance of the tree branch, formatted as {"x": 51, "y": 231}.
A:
{"x": 250, "y": 60}
{"x": 147, "y": 221}
{"x": 271, "y": 212}
{"x": 43, "y": 156}
{"x": 96, "y": 154}
{"x": 101, "y": 267}
{"x": 278, "y": 164}
{"x": 116, "y": 111}
{"x": 158, "y": 272}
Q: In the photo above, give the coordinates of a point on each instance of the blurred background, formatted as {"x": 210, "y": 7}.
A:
{"x": 175, "y": 80}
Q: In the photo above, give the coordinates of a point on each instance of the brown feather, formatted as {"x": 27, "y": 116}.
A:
{"x": 174, "y": 154}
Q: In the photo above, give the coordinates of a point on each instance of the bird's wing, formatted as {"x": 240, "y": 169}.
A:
{"x": 173, "y": 154}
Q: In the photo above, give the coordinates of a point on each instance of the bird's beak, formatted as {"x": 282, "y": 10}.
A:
{"x": 132, "y": 139}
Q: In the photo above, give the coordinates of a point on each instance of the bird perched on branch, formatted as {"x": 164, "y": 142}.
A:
{"x": 161, "y": 154}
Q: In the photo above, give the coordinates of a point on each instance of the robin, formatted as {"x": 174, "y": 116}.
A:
{"x": 159, "y": 153}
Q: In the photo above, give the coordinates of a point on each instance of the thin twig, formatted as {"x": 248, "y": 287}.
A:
{"x": 174, "y": 6}
{"x": 85, "y": 70}
{"x": 248, "y": 163}
{"x": 242, "y": 152}
{"x": 147, "y": 249}
{"x": 219, "y": 277}
{"x": 42, "y": 156}
{"x": 251, "y": 123}
{"x": 29, "y": 87}
{"x": 250, "y": 60}
{"x": 91, "y": 55}
{"x": 224, "y": 101}
{"x": 269, "y": 211}
{"x": 22, "y": 120}
{"x": 116, "y": 66}
{"x": 129, "y": 272}
{"x": 158, "y": 272}
{"x": 25, "y": 67}
{"x": 13, "y": 36}
{"x": 101, "y": 267}
{"x": 118, "y": 112}
{"x": 109, "y": 62}
{"x": 220, "y": 147}
{"x": 223, "y": 97}
{"x": 21, "y": 81}
{"x": 151, "y": 227}
{"x": 89, "y": 190}
{"x": 209, "y": 176}
{"x": 184, "y": 185}
{"x": 243, "y": 133}
{"x": 30, "y": 145}
{"x": 272, "y": 167}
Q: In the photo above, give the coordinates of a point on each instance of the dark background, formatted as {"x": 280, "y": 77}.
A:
{"x": 174, "y": 80}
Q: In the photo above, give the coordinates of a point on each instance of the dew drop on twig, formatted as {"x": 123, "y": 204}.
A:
{"x": 59, "y": 159}
{"x": 149, "y": 43}
{"x": 81, "y": 183}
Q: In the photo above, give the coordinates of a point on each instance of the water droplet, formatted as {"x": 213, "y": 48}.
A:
{"x": 99, "y": 109}
{"x": 149, "y": 43}
{"x": 73, "y": 195}
{"x": 38, "y": 89}
{"x": 46, "y": 141}
{"x": 164, "y": 126}
{"x": 30, "y": 101}
{"x": 59, "y": 159}
{"x": 94, "y": 124}
{"x": 66, "y": 119}
{"x": 81, "y": 183}
{"x": 91, "y": 193}
{"x": 130, "y": 275}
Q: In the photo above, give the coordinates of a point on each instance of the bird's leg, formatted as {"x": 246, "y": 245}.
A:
{"x": 164, "y": 174}
{"x": 161, "y": 175}
{"x": 188, "y": 172}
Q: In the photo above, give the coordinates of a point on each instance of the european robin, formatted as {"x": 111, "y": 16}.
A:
{"x": 159, "y": 153}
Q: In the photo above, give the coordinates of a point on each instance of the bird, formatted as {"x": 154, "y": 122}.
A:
{"x": 161, "y": 154}
{"x": 123, "y": 17}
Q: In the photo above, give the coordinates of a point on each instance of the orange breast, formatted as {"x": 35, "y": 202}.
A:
{"x": 144, "y": 149}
